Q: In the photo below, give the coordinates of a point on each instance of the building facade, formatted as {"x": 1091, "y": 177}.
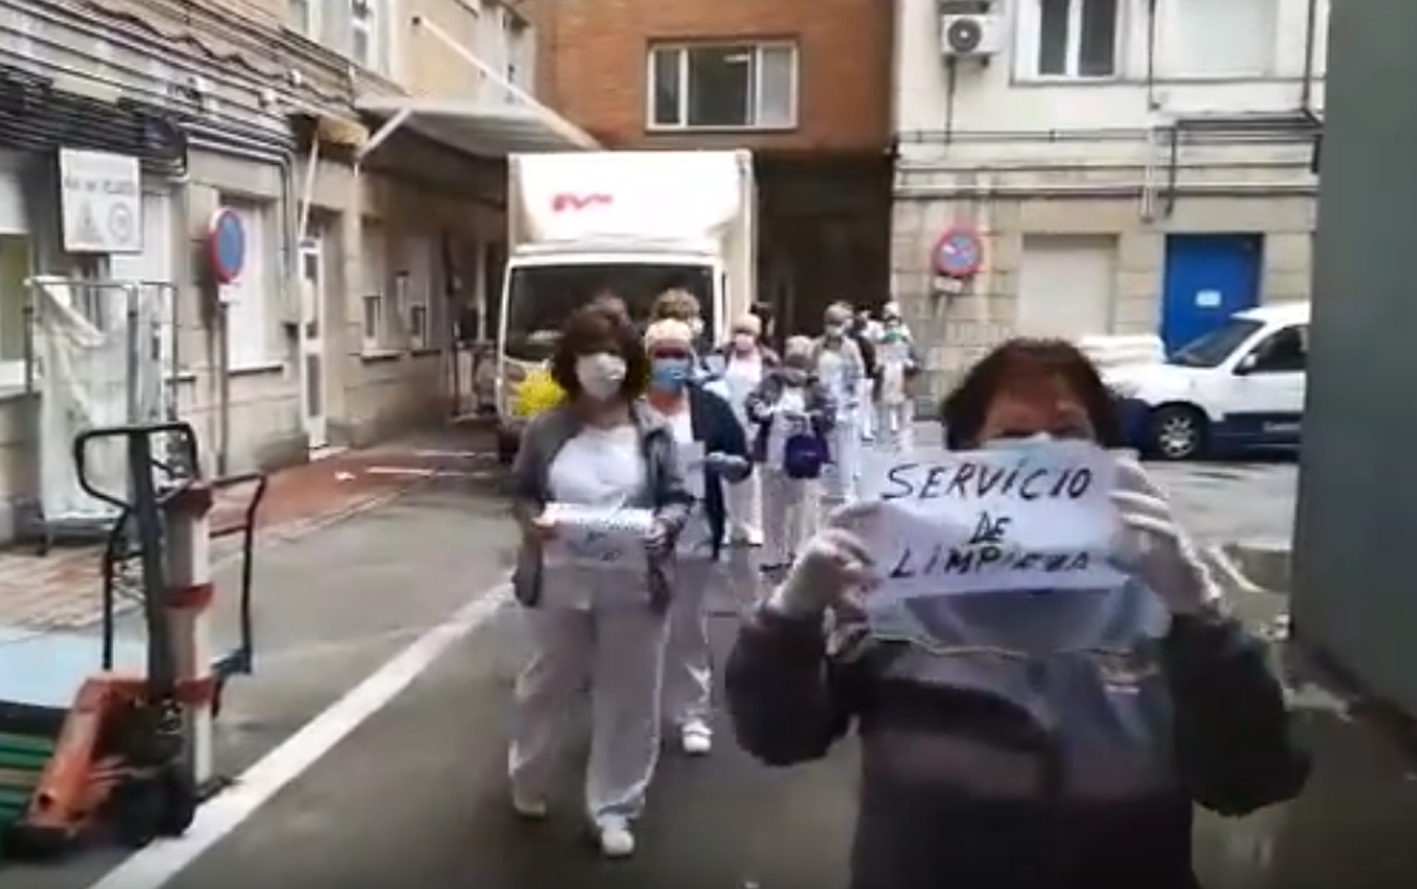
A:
{"x": 264, "y": 217}
{"x": 1121, "y": 166}
{"x": 805, "y": 85}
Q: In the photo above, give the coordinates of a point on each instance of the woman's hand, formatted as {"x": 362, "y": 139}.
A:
{"x": 1155, "y": 549}
{"x": 542, "y": 527}
{"x": 658, "y": 539}
{"x": 833, "y": 564}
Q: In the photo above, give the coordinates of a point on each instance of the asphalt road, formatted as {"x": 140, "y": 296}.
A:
{"x": 416, "y": 795}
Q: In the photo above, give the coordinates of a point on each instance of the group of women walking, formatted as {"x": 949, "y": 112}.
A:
{"x": 1054, "y": 741}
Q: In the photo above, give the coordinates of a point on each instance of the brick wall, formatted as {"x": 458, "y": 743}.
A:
{"x": 591, "y": 60}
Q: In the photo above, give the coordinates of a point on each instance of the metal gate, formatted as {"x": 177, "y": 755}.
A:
{"x": 99, "y": 353}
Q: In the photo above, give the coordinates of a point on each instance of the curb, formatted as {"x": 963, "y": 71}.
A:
{"x": 1252, "y": 566}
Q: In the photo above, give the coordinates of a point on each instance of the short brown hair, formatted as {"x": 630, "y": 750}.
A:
{"x": 964, "y": 409}
{"x": 598, "y": 328}
{"x": 678, "y": 304}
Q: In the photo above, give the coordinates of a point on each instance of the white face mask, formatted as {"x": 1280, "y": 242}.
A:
{"x": 743, "y": 342}
{"x": 696, "y": 326}
{"x": 601, "y": 374}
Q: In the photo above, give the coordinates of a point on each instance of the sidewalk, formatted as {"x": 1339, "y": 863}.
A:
{"x": 61, "y": 590}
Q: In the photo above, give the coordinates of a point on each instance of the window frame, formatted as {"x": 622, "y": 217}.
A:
{"x": 1028, "y": 44}
{"x": 371, "y": 18}
{"x": 683, "y": 51}
{"x": 312, "y": 28}
{"x": 12, "y": 370}
{"x": 1256, "y": 351}
{"x": 264, "y": 288}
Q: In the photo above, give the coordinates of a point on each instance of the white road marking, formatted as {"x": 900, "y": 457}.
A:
{"x": 154, "y": 866}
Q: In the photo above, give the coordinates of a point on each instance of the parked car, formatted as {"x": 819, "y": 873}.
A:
{"x": 1236, "y": 389}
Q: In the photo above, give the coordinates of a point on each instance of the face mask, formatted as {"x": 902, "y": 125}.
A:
{"x": 669, "y": 374}
{"x": 696, "y": 325}
{"x": 835, "y": 331}
{"x": 743, "y": 342}
{"x": 891, "y": 335}
{"x": 601, "y": 374}
{"x": 1015, "y": 443}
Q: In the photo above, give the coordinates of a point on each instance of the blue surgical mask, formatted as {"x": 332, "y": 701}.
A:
{"x": 670, "y": 374}
{"x": 1022, "y": 441}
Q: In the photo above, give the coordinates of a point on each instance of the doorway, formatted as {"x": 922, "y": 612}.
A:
{"x": 1208, "y": 278}
{"x": 312, "y": 343}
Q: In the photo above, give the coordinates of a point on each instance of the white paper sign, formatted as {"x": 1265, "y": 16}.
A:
{"x": 100, "y": 201}
{"x": 1035, "y": 517}
{"x": 612, "y": 538}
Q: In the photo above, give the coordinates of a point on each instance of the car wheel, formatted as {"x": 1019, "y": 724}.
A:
{"x": 1178, "y": 432}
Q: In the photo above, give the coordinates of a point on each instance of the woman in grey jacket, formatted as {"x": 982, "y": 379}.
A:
{"x": 1024, "y": 740}
{"x": 601, "y": 501}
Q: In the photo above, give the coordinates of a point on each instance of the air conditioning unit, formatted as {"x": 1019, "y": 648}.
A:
{"x": 971, "y": 36}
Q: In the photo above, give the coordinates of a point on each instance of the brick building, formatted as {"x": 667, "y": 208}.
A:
{"x": 806, "y": 84}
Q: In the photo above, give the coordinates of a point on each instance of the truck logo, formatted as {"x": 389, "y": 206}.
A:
{"x": 572, "y": 201}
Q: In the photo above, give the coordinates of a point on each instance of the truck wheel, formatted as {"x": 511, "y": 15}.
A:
{"x": 1178, "y": 432}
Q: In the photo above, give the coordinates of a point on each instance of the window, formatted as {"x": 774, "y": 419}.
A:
{"x": 368, "y": 40}
{"x": 303, "y": 17}
{"x": 14, "y": 270}
{"x": 415, "y": 288}
{"x": 1218, "y": 38}
{"x": 378, "y": 331}
{"x": 1213, "y": 348}
{"x": 1074, "y": 38}
{"x": 1285, "y": 351}
{"x": 249, "y": 301}
{"x": 721, "y": 86}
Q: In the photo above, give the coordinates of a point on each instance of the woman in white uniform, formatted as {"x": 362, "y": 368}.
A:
{"x": 597, "y": 619}
{"x": 842, "y": 369}
{"x": 789, "y": 402}
{"x": 744, "y": 361}
{"x": 712, "y": 450}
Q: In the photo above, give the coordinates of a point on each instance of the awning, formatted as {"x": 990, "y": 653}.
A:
{"x": 483, "y": 129}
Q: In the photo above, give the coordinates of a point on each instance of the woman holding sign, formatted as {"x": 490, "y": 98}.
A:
{"x": 1021, "y": 739}
{"x": 601, "y": 502}
{"x": 712, "y": 450}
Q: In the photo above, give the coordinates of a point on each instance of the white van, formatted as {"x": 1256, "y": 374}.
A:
{"x": 1239, "y": 387}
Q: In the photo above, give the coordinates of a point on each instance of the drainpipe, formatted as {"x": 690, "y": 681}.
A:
{"x": 242, "y": 148}
{"x": 1311, "y": 37}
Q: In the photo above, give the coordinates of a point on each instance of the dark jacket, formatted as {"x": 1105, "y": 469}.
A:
{"x": 718, "y": 430}
{"x": 790, "y": 702}
{"x": 762, "y": 400}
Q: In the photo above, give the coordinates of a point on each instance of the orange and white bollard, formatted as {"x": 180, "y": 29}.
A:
{"x": 190, "y": 591}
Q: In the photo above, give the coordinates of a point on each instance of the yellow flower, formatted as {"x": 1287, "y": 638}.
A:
{"x": 538, "y": 393}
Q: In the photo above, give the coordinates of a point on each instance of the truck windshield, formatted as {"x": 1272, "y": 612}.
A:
{"x": 540, "y": 298}
{"x": 1213, "y": 348}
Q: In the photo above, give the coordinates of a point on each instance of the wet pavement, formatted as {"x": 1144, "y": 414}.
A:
{"x": 416, "y": 794}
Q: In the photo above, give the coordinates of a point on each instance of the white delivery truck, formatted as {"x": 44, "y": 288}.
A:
{"x": 630, "y": 223}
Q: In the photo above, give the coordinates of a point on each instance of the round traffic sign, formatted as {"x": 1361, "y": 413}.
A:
{"x": 226, "y": 246}
{"x": 959, "y": 253}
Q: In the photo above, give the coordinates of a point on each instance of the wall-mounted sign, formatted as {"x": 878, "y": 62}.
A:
{"x": 226, "y": 246}
{"x": 958, "y": 254}
{"x": 100, "y": 202}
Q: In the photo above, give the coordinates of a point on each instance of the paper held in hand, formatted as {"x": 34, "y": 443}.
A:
{"x": 608, "y": 537}
{"x": 1036, "y": 517}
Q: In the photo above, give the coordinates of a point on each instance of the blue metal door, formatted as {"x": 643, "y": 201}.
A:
{"x": 1208, "y": 278}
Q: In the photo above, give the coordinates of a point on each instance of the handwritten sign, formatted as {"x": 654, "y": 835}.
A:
{"x": 1035, "y": 517}
{"x": 598, "y": 536}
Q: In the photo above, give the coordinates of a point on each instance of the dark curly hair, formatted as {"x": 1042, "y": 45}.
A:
{"x": 964, "y": 409}
{"x": 600, "y": 328}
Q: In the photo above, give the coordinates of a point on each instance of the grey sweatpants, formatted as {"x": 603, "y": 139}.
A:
{"x": 619, "y": 653}
{"x": 688, "y": 679}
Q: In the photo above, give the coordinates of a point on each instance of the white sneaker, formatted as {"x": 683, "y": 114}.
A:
{"x": 616, "y": 840}
{"x": 532, "y": 808}
{"x": 696, "y": 739}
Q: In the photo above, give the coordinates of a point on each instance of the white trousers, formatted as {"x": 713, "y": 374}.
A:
{"x": 789, "y": 515}
{"x": 897, "y": 425}
{"x": 688, "y": 678}
{"x": 619, "y": 653}
{"x": 845, "y": 444}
